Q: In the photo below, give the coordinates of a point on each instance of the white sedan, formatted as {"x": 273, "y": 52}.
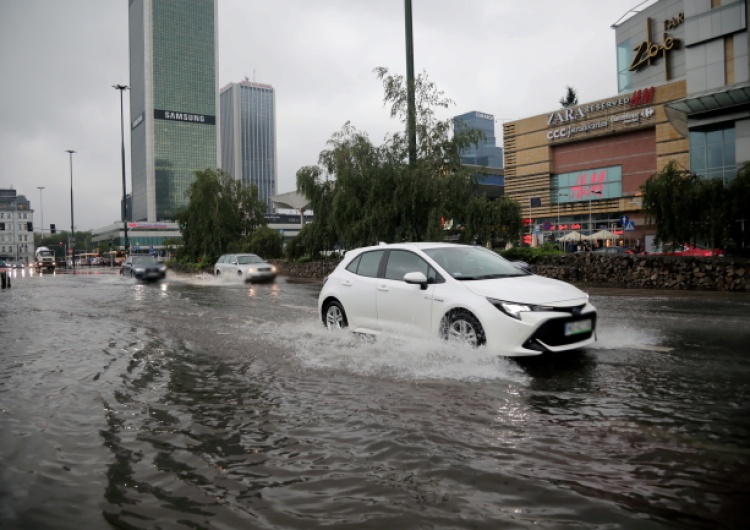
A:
{"x": 248, "y": 267}
{"x": 458, "y": 292}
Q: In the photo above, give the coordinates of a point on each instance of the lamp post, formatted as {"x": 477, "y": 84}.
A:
{"x": 122, "y": 89}
{"x": 72, "y": 234}
{"x": 41, "y": 206}
{"x": 592, "y": 192}
{"x": 558, "y": 208}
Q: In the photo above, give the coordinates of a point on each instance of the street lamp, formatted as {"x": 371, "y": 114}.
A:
{"x": 592, "y": 192}
{"x": 122, "y": 89}
{"x": 72, "y": 234}
{"x": 41, "y": 206}
{"x": 558, "y": 208}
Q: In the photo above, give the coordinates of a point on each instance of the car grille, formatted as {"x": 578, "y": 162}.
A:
{"x": 552, "y": 332}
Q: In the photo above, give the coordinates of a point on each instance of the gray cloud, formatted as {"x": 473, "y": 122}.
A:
{"x": 59, "y": 60}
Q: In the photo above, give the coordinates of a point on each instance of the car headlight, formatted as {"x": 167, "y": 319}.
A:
{"x": 273, "y": 268}
{"x": 250, "y": 270}
{"x": 514, "y": 309}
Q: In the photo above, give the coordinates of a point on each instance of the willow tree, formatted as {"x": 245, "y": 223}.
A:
{"x": 685, "y": 207}
{"x": 221, "y": 215}
{"x": 363, "y": 193}
{"x": 492, "y": 220}
{"x": 738, "y": 217}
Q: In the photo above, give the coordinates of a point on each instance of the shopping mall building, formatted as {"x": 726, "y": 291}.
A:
{"x": 684, "y": 96}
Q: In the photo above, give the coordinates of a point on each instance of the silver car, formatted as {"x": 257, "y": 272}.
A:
{"x": 249, "y": 267}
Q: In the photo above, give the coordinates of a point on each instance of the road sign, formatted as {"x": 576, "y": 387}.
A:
{"x": 629, "y": 226}
{"x": 624, "y": 220}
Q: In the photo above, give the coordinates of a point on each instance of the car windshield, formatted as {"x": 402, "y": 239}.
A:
{"x": 473, "y": 263}
{"x": 143, "y": 260}
{"x": 244, "y": 260}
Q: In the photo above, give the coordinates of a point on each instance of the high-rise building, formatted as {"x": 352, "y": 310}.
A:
{"x": 248, "y": 136}
{"x": 16, "y": 227}
{"x": 173, "y": 101}
{"x": 486, "y": 152}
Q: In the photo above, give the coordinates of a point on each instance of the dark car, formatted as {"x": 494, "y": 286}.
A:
{"x": 145, "y": 268}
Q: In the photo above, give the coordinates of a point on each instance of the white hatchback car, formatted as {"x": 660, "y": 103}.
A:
{"x": 249, "y": 267}
{"x": 459, "y": 292}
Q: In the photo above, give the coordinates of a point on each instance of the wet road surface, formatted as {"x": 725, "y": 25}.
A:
{"x": 198, "y": 403}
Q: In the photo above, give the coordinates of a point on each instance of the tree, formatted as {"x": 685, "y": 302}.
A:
{"x": 221, "y": 216}
{"x": 362, "y": 193}
{"x": 570, "y": 99}
{"x": 738, "y": 202}
{"x": 492, "y": 220}
{"x": 686, "y": 207}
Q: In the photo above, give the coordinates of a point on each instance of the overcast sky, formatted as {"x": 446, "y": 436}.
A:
{"x": 59, "y": 60}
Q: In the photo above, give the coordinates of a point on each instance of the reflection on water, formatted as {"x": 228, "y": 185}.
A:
{"x": 200, "y": 403}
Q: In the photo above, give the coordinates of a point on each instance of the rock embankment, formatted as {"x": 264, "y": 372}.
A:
{"x": 649, "y": 272}
{"x": 633, "y": 272}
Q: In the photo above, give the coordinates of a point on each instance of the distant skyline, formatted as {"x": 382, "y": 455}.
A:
{"x": 59, "y": 61}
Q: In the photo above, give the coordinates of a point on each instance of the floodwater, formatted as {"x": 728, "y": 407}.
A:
{"x": 197, "y": 403}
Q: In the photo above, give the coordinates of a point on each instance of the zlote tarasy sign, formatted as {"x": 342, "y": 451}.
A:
{"x": 648, "y": 51}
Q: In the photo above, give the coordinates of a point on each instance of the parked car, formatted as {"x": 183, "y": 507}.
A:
{"x": 458, "y": 292}
{"x": 145, "y": 268}
{"x": 249, "y": 267}
{"x": 685, "y": 249}
{"x": 613, "y": 250}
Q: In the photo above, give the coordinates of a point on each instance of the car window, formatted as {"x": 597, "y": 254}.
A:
{"x": 369, "y": 263}
{"x": 401, "y": 261}
{"x": 244, "y": 260}
{"x": 143, "y": 260}
{"x": 352, "y": 267}
{"x": 473, "y": 263}
{"x": 223, "y": 258}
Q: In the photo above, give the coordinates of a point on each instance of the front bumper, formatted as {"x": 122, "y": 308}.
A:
{"x": 539, "y": 332}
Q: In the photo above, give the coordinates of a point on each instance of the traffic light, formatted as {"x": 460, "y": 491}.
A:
{"x": 52, "y": 229}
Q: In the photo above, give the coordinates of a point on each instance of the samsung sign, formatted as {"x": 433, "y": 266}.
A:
{"x": 173, "y": 115}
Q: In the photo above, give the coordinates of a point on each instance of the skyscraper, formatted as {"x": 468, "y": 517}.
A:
{"x": 486, "y": 153}
{"x": 173, "y": 101}
{"x": 248, "y": 136}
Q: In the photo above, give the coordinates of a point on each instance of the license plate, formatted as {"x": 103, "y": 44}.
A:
{"x": 580, "y": 326}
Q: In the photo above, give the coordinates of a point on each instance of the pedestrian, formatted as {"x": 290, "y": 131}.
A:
{"x": 5, "y": 274}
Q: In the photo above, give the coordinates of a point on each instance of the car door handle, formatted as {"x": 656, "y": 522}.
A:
{"x": 346, "y": 283}
{"x": 436, "y": 299}
{"x": 383, "y": 288}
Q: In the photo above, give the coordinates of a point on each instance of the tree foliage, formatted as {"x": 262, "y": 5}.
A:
{"x": 220, "y": 217}
{"x": 363, "y": 193}
{"x": 686, "y": 207}
{"x": 738, "y": 204}
{"x": 570, "y": 98}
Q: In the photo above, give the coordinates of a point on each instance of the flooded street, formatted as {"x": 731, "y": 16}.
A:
{"x": 199, "y": 403}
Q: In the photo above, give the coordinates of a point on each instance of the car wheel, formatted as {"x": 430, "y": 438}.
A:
{"x": 334, "y": 316}
{"x": 461, "y": 326}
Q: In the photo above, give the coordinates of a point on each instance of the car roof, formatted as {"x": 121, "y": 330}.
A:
{"x": 420, "y": 245}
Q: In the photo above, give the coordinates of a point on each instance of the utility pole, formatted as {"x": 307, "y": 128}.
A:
{"x": 122, "y": 89}
{"x": 411, "y": 119}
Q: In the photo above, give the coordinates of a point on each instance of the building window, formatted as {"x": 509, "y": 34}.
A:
{"x": 624, "y": 59}
{"x": 712, "y": 153}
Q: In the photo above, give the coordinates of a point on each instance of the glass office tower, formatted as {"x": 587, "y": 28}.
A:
{"x": 486, "y": 153}
{"x": 173, "y": 101}
{"x": 248, "y": 136}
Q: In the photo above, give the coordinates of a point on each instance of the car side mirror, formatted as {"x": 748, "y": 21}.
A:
{"x": 416, "y": 278}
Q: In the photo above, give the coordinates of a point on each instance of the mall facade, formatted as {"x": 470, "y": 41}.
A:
{"x": 684, "y": 96}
